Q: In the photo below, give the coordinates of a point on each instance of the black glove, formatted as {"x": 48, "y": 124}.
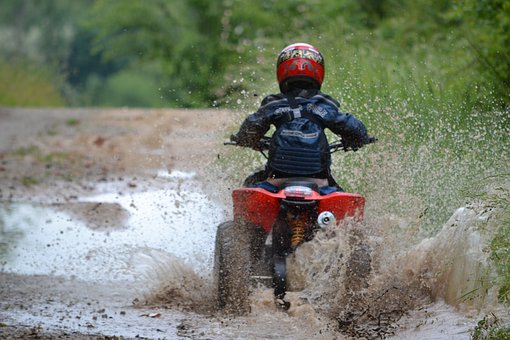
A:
{"x": 234, "y": 138}
{"x": 356, "y": 144}
{"x": 237, "y": 141}
{"x": 350, "y": 144}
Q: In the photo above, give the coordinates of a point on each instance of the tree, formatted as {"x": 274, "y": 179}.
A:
{"x": 39, "y": 30}
{"x": 182, "y": 37}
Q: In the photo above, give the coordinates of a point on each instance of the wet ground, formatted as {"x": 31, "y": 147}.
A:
{"x": 91, "y": 207}
{"x": 107, "y": 221}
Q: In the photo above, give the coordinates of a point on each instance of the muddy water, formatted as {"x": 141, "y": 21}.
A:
{"x": 139, "y": 264}
{"x": 125, "y": 229}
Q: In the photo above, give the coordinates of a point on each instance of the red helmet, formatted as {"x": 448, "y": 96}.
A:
{"x": 300, "y": 62}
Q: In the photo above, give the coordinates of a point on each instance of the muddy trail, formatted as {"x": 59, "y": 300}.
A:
{"x": 107, "y": 226}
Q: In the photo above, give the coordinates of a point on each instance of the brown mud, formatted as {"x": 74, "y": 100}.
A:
{"x": 60, "y": 153}
{"x": 51, "y": 157}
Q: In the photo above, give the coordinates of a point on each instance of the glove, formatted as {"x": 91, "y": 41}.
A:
{"x": 237, "y": 141}
{"x": 371, "y": 139}
{"x": 234, "y": 138}
{"x": 351, "y": 144}
{"x": 355, "y": 145}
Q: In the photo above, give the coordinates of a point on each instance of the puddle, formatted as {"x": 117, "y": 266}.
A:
{"x": 58, "y": 240}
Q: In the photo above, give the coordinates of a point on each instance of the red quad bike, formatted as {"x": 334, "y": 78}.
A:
{"x": 267, "y": 227}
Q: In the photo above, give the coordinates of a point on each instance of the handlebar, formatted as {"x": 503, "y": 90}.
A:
{"x": 339, "y": 145}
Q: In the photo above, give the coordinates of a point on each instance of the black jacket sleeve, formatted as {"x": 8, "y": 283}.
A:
{"x": 254, "y": 126}
{"x": 352, "y": 130}
{"x": 346, "y": 125}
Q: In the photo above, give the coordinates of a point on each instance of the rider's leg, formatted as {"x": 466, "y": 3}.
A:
{"x": 332, "y": 183}
{"x": 255, "y": 178}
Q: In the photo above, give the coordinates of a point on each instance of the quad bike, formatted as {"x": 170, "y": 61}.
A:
{"x": 267, "y": 227}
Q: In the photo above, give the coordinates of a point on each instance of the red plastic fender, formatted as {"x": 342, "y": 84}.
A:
{"x": 260, "y": 207}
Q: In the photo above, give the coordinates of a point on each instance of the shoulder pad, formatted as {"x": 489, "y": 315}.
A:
{"x": 271, "y": 99}
{"x": 328, "y": 99}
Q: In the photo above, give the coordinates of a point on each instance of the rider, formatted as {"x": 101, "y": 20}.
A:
{"x": 300, "y": 113}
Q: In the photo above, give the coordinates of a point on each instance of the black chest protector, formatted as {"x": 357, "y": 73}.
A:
{"x": 299, "y": 147}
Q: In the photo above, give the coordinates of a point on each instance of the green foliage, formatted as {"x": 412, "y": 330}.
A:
{"x": 500, "y": 253}
{"x": 127, "y": 88}
{"x": 494, "y": 193}
{"x": 175, "y": 36}
{"x": 35, "y": 38}
{"x": 218, "y": 52}
{"x": 22, "y": 84}
{"x": 39, "y": 30}
{"x": 130, "y": 88}
{"x": 486, "y": 26}
{"x": 489, "y": 328}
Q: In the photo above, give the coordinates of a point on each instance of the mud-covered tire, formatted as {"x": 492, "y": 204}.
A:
{"x": 232, "y": 267}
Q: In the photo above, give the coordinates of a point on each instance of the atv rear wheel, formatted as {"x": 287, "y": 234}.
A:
{"x": 232, "y": 266}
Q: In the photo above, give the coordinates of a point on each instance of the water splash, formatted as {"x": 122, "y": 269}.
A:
{"x": 349, "y": 274}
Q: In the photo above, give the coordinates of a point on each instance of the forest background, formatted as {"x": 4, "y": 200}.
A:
{"x": 430, "y": 78}
{"x": 199, "y": 53}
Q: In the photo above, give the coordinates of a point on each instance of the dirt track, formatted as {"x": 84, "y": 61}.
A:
{"x": 53, "y": 156}
{"x": 69, "y": 148}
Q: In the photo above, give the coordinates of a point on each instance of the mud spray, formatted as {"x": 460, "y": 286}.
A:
{"x": 420, "y": 256}
{"x": 353, "y": 280}
{"x": 417, "y": 267}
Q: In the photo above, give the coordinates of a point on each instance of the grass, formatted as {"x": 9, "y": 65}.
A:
{"x": 500, "y": 255}
{"x": 39, "y": 156}
{"x": 29, "y": 181}
{"x": 24, "y": 84}
{"x": 72, "y": 122}
{"x": 36, "y": 155}
{"x": 439, "y": 133}
{"x": 26, "y": 151}
{"x": 489, "y": 328}
{"x": 500, "y": 249}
